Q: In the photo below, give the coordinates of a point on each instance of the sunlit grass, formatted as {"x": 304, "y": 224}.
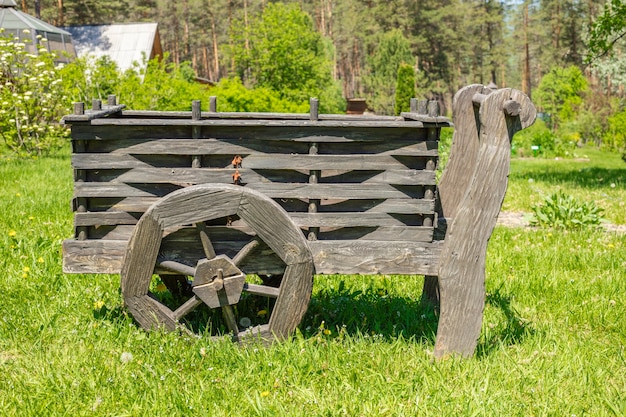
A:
{"x": 552, "y": 341}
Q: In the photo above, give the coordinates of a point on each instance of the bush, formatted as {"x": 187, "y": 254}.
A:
{"x": 562, "y": 211}
{"x": 546, "y": 143}
{"x": 31, "y": 98}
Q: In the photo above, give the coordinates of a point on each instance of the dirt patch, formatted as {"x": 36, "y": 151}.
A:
{"x": 521, "y": 219}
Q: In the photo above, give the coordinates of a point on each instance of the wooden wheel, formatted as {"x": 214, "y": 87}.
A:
{"x": 217, "y": 280}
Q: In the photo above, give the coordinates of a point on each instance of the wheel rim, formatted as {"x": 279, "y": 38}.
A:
{"x": 205, "y": 202}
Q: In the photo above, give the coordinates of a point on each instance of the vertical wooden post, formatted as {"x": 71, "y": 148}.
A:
{"x": 196, "y": 114}
{"x": 80, "y": 176}
{"x": 313, "y": 203}
{"x": 96, "y": 104}
{"x": 430, "y": 291}
{"x": 213, "y": 104}
{"x": 413, "y": 104}
{"x": 111, "y": 100}
{"x": 314, "y": 112}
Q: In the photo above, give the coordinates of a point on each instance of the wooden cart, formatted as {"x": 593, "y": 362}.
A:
{"x": 205, "y": 199}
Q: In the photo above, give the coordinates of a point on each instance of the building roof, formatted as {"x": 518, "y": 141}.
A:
{"x": 123, "y": 43}
{"x": 27, "y": 27}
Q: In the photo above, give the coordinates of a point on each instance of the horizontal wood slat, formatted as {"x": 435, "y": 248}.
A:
{"x": 330, "y": 257}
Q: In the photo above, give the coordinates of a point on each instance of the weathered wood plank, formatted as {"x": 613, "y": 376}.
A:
{"x": 93, "y": 114}
{"x": 322, "y": 162}
{"x": 104, "y": 218}
{"x": 140, "y": 257}
{"x": 256, "y": 123}
{"x": 272, "y": 190}
{"x": 314, "y": 132}
{"x": 93, "y": 256}
{"x": 193, "y": 176}
{"x": 462, "y": 269}
{"x": 293, "y": 299}
{"x": 371, "y": 257}
{"x": 345, "y": 219}
{"x": 384, "y": 233}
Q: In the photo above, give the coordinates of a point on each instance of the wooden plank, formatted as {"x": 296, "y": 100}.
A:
{"x": 104, "y": 218}
{"x": 371, "y": 257}
{"x": 332, "y": 145}
{"x": 463, "y": 257}
{"x": 335, "y": 191}
{"x": 140, "y": 257}
{"x": 107, "y": 189}
{"x": 345, "y": 219}
{"x": 93, "y": 256}
{"x": 439, "y": 121}
{"x": 293, "y": 299}
{"x": 322, "y": 162}
{"x": 386, "y": 233}
{"x": 255, "y": 123}
{"x": 233, "y": 130}
{"x": 142, "y": 114}
{"x": 93, "y": 114}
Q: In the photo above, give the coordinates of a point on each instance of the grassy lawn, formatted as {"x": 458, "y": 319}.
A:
{"x": 552, "y": 344}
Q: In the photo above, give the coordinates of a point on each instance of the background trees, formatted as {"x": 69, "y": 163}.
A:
{"x": 284, "y": 52}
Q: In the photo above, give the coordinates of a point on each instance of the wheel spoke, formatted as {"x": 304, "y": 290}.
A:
{"x": 178, "y": 267}
{"x": 263, "y": 290}
{"x": 229, "y": 317}
{"x": 245, "y": 251}
{"x": 187, "y": 307}
{"x": 207, "y": 246}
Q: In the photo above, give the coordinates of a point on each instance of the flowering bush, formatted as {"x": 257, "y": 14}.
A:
{"x": 31, "y": 98}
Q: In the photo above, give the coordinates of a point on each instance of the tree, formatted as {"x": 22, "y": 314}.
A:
{"x": 382, "y": 70}
{"x": 279, "y": 49}
{"x": 560, "y": 93}
{"x": 607, "y": 30}
{"x": 405, "y": 88}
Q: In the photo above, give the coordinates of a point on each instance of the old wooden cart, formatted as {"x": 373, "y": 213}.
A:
{"x": 205, "y": 198}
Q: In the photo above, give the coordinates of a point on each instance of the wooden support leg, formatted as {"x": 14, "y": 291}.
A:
{"x": 463, "y": 256}
{"x": 430, "y": 293}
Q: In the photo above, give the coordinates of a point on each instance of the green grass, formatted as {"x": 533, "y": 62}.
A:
{"x": 552, "y": 342}
{"x": 593, "y": 176}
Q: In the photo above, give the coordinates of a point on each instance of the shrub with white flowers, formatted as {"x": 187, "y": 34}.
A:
{"x": 31, "y": 99}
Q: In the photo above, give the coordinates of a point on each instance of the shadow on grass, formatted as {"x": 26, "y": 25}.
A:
{"x": 586, "y": 177}
{"x": 512, "y": 330}
{"x": 371, "y": 313}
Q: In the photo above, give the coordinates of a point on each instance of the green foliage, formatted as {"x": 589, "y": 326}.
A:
{"x": 281, "y": 50}
{"x": 607, "y": 30}
{"x": 614, "y": 137}
{"x": 563, "y": 211}
{"x": 232, "y": 95}
{"x": 84, "y": 79}
{"x": 560, "y": 93}
{"x": 405, "y": 88}
{"x": 31, "y": 99}
{"x": 538, "y": 140}
{"x": 392, "y": 50}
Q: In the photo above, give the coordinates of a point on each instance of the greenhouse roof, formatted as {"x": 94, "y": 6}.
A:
{"x": 13, "y": 19}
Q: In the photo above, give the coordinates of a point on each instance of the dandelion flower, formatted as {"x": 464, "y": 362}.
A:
{"x": 40, "y": 260}
{"x": 97, "y": 305}
{"x": 12, "y": 233}
{"x": 26, "y": 269}
{"x": 262, "y": 313}
{"x": 126, "y": 357}
{"x": 265, "y": 393}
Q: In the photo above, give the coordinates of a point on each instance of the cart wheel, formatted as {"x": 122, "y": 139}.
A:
{"x": 217, "y": 280}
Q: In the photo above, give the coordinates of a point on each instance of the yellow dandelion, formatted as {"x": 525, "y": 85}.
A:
{"x": 161, "y": 287}
{"x": 24, "y": 275}
{"x": 97, "y": 305}
{"x": 12, "y": 233}
{"x": 26, "y": 269}
{"x": 261, "y": 313}
{"x": 31, "y": 217}
{"x": 265, "y": 393}
{"x": 610, "y": 245}
{"x": 40, "y": 260}
{"x": 18, "y": 194}
{"x": 327, "y": 332}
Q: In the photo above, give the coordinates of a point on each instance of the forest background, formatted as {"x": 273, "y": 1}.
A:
{"x": 271, "y": 56}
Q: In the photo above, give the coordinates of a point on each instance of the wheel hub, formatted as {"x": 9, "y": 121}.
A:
{"x": 218, "y": 282}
